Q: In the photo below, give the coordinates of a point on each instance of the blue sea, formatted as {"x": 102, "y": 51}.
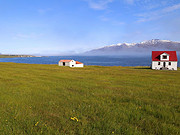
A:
{"x": 87, "y": 60}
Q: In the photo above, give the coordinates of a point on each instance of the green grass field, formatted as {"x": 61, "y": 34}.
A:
{"x": 48, "y": 99}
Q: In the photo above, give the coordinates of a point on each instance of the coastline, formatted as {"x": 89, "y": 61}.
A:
{"x": 87, "y": 60}
{"x": 14, "y": 56}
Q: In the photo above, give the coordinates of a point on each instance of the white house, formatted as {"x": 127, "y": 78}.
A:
{"x": 70, "y": 63}
{"x": 164, "y": 60}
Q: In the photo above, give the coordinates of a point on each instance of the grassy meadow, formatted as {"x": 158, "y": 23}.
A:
{"x": 48, "y": 99}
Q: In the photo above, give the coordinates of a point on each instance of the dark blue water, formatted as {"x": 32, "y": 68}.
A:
{"x": 87, "y": 60}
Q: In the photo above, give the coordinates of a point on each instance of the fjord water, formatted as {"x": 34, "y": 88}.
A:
{"x": 87, "y": 60}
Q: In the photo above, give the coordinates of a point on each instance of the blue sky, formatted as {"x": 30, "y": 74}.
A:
{"x": 57, "y": 27}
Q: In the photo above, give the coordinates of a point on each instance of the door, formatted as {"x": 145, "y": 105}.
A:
{"x": 164, "y": 64}
{"x": 63, "y": 63}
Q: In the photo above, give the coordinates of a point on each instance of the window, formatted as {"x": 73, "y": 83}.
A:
{"x": 164, "y": 56}
{"x": 159, "y": 63}
{"x": 170, "y": 63}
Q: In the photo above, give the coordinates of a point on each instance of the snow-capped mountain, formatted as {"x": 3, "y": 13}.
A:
{"x": 144, "y": 47}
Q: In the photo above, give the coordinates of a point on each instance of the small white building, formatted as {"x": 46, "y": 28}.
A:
{"x": 70, "y": 63}
{"x": 164, "y": 60}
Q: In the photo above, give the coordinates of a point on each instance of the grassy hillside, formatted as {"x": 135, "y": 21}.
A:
{"x": 48, "y": 99}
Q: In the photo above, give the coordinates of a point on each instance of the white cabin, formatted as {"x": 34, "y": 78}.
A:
{"x": 164, "y": 60}
{"x": 70, "y": 63}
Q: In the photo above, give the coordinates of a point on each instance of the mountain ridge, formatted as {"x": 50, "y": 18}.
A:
{"x": 137, "y": 48}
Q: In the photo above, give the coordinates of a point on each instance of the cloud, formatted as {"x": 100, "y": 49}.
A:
{"x": 153, "y": 15}
{"x": 98, "y": 4}
{"x": 171, "y": 8}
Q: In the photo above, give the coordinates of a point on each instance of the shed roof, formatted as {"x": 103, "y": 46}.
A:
{"x": 156, "y": 55}
{"x": 77, "y": 62}
{"x": 65, "y": 60}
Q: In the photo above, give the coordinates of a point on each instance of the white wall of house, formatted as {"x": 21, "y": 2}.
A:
{"x": 79, "y": 65}
{"x": 72, "y": 63}
{"x": 61, "y": 64}
{"x": 173, "y": 66}
{"x": 69, "y": 64}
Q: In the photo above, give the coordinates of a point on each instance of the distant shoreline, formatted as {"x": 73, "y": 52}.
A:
{"x": 87, "y": 60}
{"x": 14, "y": 56}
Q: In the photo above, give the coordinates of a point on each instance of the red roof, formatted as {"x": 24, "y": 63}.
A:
{"x": 65, "y": 60}
{"x": 77, "y": 62}
{"x": 156, "y": 55}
